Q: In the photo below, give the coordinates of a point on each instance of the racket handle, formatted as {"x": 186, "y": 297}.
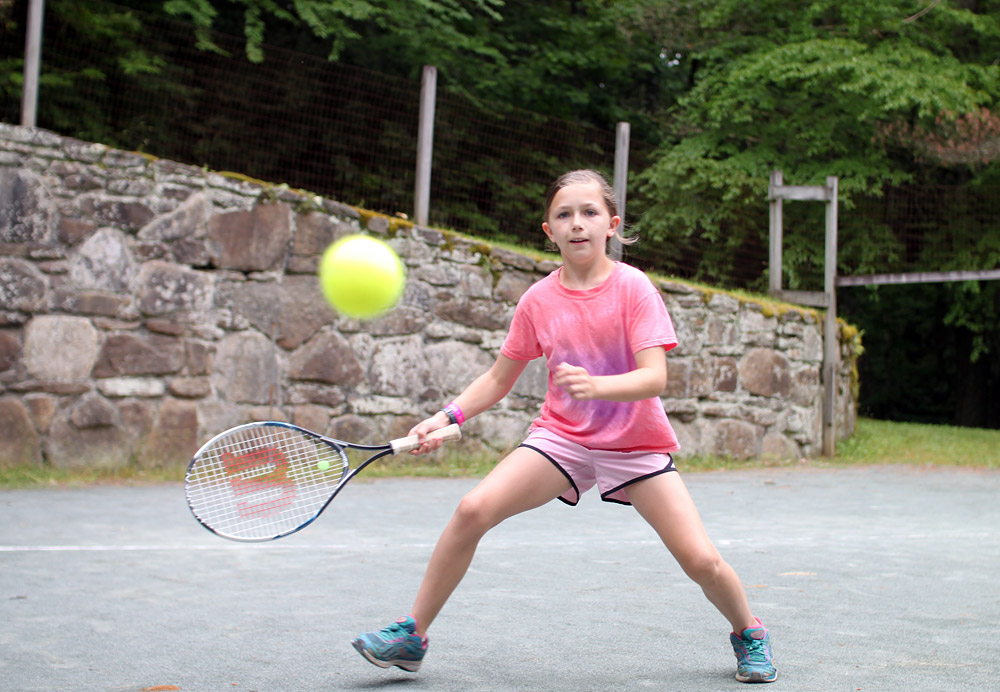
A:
{"x": 406, "y": 444}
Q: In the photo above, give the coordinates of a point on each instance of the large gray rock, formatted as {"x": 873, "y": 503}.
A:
{"x": 765, "y": 372}
{"x": 326, "y": 358}
{"x": 245, "y": 368}
{"x": 88, "y": 434}
{"x": 25, "y": 214}
{"x": 139, "y": 354}
{"x": 165, "y": 287}
{"x": 59, "y": 348}
{"x": 22, "y": 286}
{"x": 174, "y": 437}
{"x": 103, "y": 261}
{"x": 19, "y": 442}
{"x": 188, "y": 219}
{"x": 292, "y": 310}
{"x": 255, "y": 240}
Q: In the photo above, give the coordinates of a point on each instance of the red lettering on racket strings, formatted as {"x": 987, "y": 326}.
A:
{"x": 270, "y": 477}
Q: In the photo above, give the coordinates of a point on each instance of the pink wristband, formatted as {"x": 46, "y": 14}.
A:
{"x": 454, "y": 413}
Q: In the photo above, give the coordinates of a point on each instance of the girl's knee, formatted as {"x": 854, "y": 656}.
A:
{"x": 474, "y": 513}
{"x": 702, "y": 568}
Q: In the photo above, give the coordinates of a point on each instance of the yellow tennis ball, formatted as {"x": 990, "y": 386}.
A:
{"x": 361, "y": 276}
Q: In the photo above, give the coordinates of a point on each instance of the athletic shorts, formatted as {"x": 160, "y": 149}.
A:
{"x": 611, "y": 471}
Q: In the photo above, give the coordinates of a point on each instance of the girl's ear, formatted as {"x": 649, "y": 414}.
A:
{"x": 615, "y": 222}
{"x": 548, "y": 233}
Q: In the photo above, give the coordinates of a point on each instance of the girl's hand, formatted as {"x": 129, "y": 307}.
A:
{"x": 429, "y": 425}
{"x": 577, "y": 382}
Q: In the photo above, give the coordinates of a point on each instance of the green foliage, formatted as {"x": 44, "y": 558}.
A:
{"x": 975, "y": 307}
{"x": 810, "y": 93}
{"x": 74, "y": 94}
{"x": 343, "y": 22}
{"x": 586, "y": 60}
{"x": 589, "y": 60}
{"x": 918, "y": 340}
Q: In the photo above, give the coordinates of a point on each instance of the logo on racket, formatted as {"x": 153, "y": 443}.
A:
{"x": 259, "y": 480}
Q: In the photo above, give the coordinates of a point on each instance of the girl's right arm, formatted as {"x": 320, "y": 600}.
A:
{"x": 484, "y": 391}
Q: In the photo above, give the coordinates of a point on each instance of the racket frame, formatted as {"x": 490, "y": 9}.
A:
{"x": 339, "y": 447}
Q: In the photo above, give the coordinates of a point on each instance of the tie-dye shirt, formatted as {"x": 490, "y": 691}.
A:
{"x": 600, "y": 329}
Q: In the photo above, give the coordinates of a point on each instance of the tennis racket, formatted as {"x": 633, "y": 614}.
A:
{"x": 262, "y": 481}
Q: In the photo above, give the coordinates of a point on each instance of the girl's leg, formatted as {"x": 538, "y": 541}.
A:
{"x": 521, "y": 481}
{"x": 665, "y": 503}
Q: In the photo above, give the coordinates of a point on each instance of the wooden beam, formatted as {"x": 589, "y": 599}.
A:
{"x": 814, "y": 299}
{"x": 919, "y": 277}
{"x": 801, "y": 193}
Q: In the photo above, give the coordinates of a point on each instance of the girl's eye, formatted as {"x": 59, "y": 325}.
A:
{"x": 562, "y": 215}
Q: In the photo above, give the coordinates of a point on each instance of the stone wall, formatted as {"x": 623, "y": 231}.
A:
{"x": 146, "y": 305}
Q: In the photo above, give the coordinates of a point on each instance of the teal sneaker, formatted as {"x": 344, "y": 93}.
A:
{"x": 754, "y": 662}
{"x": 397, "y": 645}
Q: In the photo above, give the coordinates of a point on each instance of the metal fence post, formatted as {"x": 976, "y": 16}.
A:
{"x": 32, "y": 63}
{"x": 831, "y": 345}
{"x": 425, "y": 146}
{"x": 622, "y": 140}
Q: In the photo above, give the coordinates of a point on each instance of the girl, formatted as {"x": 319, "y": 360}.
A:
{"x": 603, "y": 329}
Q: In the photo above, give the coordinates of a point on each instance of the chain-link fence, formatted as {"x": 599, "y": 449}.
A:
{"x": 350, "y": 134}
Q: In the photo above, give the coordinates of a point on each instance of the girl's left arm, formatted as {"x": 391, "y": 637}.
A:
{"x": 649, "y": 379}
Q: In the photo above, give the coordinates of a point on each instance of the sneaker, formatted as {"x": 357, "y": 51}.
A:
{"x": 397, "y": 645}
{"x": 753, "y": 655}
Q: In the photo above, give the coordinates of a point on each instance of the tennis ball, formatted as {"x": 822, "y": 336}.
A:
{"x": 361, "y": 276}
{"x": 322, "y": 464}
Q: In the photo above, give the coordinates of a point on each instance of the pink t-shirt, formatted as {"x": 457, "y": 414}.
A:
{"x": 600, "y": 329}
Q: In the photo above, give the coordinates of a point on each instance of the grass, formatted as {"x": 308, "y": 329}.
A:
{"x": 874, "y": 443}
{"x": 883, "y": 442}
{"x": 47, "y": 476}
{"x": 880, "y": 443}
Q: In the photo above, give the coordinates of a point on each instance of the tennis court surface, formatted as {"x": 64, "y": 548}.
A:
{"x": 870, "y": 579}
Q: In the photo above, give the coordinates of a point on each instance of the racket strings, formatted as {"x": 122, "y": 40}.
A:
{"x": 263, "y": 480}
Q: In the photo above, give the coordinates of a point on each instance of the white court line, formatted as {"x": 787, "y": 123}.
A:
{"x": 295, "y": 546}
{"x": 139, "y": 548}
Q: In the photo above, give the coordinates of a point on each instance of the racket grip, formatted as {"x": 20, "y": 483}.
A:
{"x": 406, "y": 444}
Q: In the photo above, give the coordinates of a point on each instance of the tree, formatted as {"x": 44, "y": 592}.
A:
{"x": 340, "y": 22}
{"x": 73, "y": 93}
{"x": 883, "y": 95}
{"x": 813, "y": 91}
{"x": 588, "y": 60}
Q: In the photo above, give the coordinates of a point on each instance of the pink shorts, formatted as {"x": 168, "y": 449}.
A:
{"x": 611, "y": 471}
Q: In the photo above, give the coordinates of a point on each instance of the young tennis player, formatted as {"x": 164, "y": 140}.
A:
{"x": 603, "y": 329}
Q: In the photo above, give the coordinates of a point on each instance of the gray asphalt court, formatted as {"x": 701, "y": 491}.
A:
{"x": 869, "y": 579}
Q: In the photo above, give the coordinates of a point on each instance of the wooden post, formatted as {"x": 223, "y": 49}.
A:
{"x": 32, "y": 63}
{"x": 775, "y": 235}
{"x": 425, "y": 146}
{"x": 622, "y": 139}
{"x": 777, "y": 192}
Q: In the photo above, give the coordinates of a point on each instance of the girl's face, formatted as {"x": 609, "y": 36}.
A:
{"x": 579, "y": 221}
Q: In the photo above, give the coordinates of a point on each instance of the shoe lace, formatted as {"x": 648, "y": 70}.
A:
{"x": 755, "y": 650}
{"x": 394, "y": 631}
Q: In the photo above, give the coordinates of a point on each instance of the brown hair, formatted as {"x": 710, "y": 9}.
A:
{"x": 582, "y": 177}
